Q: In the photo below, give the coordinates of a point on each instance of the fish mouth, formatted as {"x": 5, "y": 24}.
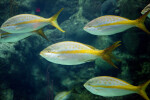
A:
{"x": 42, "y": 53}
{"x": 85, "y": 85}
{"x": 85, "y": 27}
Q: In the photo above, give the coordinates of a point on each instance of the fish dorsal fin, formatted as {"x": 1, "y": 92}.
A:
{"x": 41, "y": 33}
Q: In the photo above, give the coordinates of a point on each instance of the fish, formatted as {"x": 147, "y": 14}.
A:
{"x": 111, "y": 24}
{"x": 23, "y": 23}
{"x": 10, "y": 38}
{"x": 146, "y": 9}
{"x": 75, "y": 53}
{"x": 110, "y": 86}
{"x": 14, "y": 37}
{"x": 62, "y": 95}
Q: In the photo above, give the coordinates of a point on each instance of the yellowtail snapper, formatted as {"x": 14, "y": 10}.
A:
{"x": 62, "y": 95}
{"x": 110, "y": 24}
{"x": 109, "y": 86}
{"x": 27, "y": 23}
{"x": 74, "y": 53}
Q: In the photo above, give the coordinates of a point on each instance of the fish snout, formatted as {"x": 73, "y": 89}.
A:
{"x": 86, "y": 84}
{"x": 42, "y": 53}
{"x": 85, "y": 28}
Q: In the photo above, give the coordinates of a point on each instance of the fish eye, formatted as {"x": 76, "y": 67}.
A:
{"x": 6, "y": 25}
{"x": 89, "y": 25}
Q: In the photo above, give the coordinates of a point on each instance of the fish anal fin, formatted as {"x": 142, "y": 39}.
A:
{"x": 41, "y": 33}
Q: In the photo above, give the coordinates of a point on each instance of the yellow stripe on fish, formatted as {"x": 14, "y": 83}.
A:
{"x": 94, "y": 52}
{"x": 27, "y": 23}
{"x": 74, "y": 53}
{"x": 110, "y": 24}
{"x": 110, "y": 86}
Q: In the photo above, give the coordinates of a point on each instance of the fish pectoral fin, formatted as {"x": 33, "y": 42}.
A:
{"x": 41, "y": 33}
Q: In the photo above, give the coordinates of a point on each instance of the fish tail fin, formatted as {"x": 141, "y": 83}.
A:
{"x": 142, "y": 90}
{"x": 140, "y": 22}
{"x": 107, "y": 54}
{"x": 53, "y": 20}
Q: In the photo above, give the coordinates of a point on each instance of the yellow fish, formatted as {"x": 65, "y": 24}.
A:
{"x": 146, "y": 9}
{"x": 62, "y": 95}
{"x": 109, "y": 24}
{"x": 109, "y": 86}
{"x": 74, "y": 53}
{"x": 27, "y": 23}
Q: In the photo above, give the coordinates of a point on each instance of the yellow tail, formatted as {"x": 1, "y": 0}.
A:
{"x": 140, "y": 22}
{"x": 53, "y": 20}
{"x": 142, "y": 89}
{"x": 107, "y": 53}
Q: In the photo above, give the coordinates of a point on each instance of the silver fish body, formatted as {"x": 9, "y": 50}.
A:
{"x": 62, "y": 95}
{"x": 24, "y": 23}
{"x": 27, "y": 23}
{"x": 102, "y": 25}
{"x": 15, "y": 37}
{"x": 60, "y": 53}
{"x": 109, "y": 86}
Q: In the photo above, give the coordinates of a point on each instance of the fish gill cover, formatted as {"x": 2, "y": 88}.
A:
{"x": 25, "y": 75}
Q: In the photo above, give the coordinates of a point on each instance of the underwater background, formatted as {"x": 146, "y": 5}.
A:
{"x": 25, "y": 75}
